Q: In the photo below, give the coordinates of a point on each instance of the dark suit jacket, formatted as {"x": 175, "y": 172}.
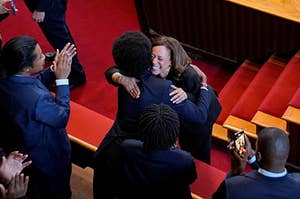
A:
{"x": 256, "y": 185}
{"x": 42, "y": 5}
{"x": 196, "y": 138}
{"x": 157, "y": 174}
{"x": 153, "y": 91}
{"x": 40, "y": 120}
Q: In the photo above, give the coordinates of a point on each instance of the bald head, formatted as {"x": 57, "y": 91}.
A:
{"x": 273, "y": 145}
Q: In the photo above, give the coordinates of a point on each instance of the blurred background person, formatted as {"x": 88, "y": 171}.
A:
{"x": 51, "y": 17}
{"x": 13, "y": 184}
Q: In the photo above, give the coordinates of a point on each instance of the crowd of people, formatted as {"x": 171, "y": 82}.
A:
{"x": 164, "y": 121}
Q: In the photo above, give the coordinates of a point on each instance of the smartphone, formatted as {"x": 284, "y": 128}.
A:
{"x": 239, "y": 142}
{"x": 13, "y": 7}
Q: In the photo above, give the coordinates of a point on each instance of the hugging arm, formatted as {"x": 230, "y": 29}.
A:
{"x": 113, "y": 76}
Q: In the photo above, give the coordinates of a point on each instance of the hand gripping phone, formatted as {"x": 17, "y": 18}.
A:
{"x": 239, "y": 142}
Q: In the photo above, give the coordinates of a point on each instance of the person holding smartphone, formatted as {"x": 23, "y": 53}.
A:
{"x": 271, "y": 179}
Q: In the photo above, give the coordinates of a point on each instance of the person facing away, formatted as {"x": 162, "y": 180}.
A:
{"x": 170, "y": 61}
{"x": 271, "y": 180}
{"x": 132, "y": 54}
{"x": 154, "y": 167}
{"x": 51, "y": 17}
{"x": 38, "y": 119}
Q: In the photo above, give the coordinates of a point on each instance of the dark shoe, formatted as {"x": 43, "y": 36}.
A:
{"x": 76, "y": 78}
{"x": 3, "y": 16}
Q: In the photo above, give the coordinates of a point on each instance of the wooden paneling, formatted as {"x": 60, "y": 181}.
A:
{"x": 220, "y": 28}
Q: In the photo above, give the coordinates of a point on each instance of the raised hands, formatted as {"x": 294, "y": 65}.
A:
{"x": 3, "y": 9}
{"x": 12, "y": 165}
{"x": 63, "y": 60}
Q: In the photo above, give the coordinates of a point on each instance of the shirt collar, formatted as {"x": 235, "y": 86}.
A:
{"x": 271, "y": 174}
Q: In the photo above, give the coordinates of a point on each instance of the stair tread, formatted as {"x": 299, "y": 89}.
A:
{"x": 219, "y": 132}
{"x": 259, "y": 87}
{"x": 235, "y": 87}
{"x": 276, "y": 101}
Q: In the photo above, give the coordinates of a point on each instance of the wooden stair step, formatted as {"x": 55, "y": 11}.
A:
{"x": 266, "y": 120}
{"x": 276, "y": 102}
{"x": 235, "y": 87}
{"x": 259, "y": 87}
{"x": 209, "y": 179}
{"x": 220, "y": 132}
{"x": 246, "y": 107}
{"x": 236, "y": 124}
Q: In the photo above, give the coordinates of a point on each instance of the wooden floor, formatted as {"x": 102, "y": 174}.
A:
{"x": 82, "y": 182}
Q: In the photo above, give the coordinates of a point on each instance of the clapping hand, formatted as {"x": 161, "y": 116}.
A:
{"x": 63, "y": 60}
{"x": 11, "y": 165}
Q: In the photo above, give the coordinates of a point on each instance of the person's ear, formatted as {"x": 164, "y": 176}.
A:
{"x": 27, "y": 69}
{"x": 258, "y": 156}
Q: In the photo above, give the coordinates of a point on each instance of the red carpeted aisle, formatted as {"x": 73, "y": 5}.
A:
{"x": 94, "y": 25}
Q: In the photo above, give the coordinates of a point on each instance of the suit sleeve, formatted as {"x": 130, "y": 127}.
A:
{"x": 109, "y": 72}
{"x": 44, "y": 5}
{"x": 54, "y": 111}
{"x": 195, "y": 113}
{"x": 192, "y": 82}
{"x": 221, "y": 192}
{"x": 46, "y": 77}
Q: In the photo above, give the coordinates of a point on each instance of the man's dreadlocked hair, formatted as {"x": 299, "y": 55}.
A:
{"x": 159, "y": 127}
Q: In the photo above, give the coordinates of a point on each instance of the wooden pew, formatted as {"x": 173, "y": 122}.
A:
{"x": 86, "y": 129}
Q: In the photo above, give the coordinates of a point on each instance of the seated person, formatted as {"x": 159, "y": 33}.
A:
{"x": 155, "y": 167}
{"x": 271, "y": 180}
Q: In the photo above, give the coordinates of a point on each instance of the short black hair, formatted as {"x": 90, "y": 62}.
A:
{"x": 17, "y": 54}
{"x": 273, "y": 144}
{"x": 159, "y": 127}
{"x": 132, "y": 53}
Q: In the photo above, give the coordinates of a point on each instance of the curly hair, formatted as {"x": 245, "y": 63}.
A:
{"x": 159, "y": 127}
{"x": 17, "y": 54}
{"x": 132, "y": 53}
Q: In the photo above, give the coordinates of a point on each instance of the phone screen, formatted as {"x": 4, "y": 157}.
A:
{"x": 239, "y": 142}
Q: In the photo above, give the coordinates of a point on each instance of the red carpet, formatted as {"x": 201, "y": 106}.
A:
{"x": 94, "y": 26}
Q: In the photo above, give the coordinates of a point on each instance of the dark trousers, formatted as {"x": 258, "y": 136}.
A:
{"x": 107, "y": 172}
{"x": 48, "y": 186}
{"x": 196, "y": 139}
{"x": 58, "y": 34}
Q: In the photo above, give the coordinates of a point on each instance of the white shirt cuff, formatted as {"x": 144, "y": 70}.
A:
{"x": 204, "y": 88}
{"x": 60, "y": 82}
{"x": 252, "y": 160}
